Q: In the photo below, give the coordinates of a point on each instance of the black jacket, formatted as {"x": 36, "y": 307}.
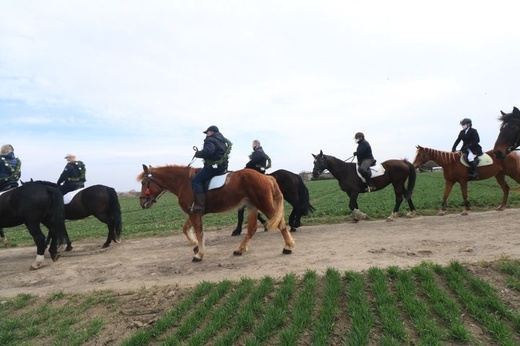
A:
{"x": 74, "y": 172}
{"x": 364, "y": 151}
{"x": 214, "y": 149}
{"x": 470, "y": 140}
{"x": 258, "y": 160}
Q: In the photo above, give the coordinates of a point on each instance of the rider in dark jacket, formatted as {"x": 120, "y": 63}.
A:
{"x": 470, "y": 146}
{"x": 215, "y": 154}
{"x": 73, "y": 175}
{"x": 365, "y": 160}
{"x": 258, "y": 160}
{"x": 10, "y": 168}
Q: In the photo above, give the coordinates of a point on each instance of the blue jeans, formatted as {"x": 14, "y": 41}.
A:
{"x": 205, "y": 174}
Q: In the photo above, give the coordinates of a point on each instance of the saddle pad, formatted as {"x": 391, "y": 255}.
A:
{"x": 483, "y": 160}
{"x": 376, "y": 170}
{"x": 217, "y": 181}
{"x": 67, "y": 198}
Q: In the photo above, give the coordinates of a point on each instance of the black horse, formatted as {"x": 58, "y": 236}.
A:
{"x": 508, "y": 138}
{"x": 294, "y": 192}
{"x": 396, "y": 173}
{"x": 32, "y": 204}
{"x": 98, "y": 200}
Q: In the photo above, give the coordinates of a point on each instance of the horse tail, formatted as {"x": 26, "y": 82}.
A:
{"x": 304, "y": 204}
{"x": 115, "y": 211}
{"x": 279, "y": 214}
{"x": 412, "y": 176}
{"x": 57, "y": 217}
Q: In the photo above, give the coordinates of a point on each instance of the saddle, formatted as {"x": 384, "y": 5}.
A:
{"x": 376, "y": 171}
{"x": 483, "y": 160}
{"x": 67, "y": 198}
{"x": 216, "y": 182}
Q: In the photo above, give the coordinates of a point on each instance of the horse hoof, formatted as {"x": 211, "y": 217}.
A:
{"x": 464, "y": 213}
{"x": 441, "y": 213}
{"x": 390, "y": 219}
{"x": 196, "y": 259}
{"x": 68, "y": 248}
{"x": 237, "y": 253}
{"x": 195, "y": 249}
{"x": 294, "y": 229}
{"x": 55, "y": 257}
{"x": 118, "y": 240}
{"x": 286, "y": 251}
{"x": 236, "y": 232}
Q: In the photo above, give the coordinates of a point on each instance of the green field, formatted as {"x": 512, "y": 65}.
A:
{"x": 457, "y": 304}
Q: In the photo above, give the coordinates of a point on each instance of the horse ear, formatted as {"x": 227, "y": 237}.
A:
{"x": 505, "y": 113}
{"x": 321, "y": 152}
{"x": 145, "y": 169}
{"x": 515, "y": 110}
{"x": 313, "y": 155}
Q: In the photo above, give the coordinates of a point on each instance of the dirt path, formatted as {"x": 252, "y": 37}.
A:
{"x": 147, "y": 262}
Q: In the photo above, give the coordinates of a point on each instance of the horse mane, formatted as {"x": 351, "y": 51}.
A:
{"x": 447, "y": 157}
{"x": 169, "y": 169}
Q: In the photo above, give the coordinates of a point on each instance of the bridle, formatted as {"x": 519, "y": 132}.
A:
{"x": 146, "y": 197}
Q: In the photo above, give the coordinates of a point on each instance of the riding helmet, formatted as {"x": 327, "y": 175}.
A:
{"x": 466, "y": 121}
{"x": 359, "y": 135}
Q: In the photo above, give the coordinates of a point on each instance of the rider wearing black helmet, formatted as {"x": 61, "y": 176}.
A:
{"x": 470, "y": 145}
{"x": 365, "y": 160}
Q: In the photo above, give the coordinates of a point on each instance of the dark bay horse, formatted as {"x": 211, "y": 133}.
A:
{"x": 508, "y": 138}
{"x": 99, "y": 201}
{"x": 32, "y": 204}
{"x": 397, "y": 172}
{"x": 294, "y": 192}
{"x": 455, "y": 172}
{"x": 257, "y": 191}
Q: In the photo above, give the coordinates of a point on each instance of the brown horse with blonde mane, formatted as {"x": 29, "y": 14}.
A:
{"x": 455, "y": 172}
{"x": 243, "y": 187}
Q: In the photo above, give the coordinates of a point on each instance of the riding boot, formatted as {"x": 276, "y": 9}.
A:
{"x": 370, "y": 185}
{"x": 200, "y": 203}
{"x": 473, "y": 174}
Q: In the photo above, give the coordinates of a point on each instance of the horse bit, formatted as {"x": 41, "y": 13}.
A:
{"x": 148, "y": 200}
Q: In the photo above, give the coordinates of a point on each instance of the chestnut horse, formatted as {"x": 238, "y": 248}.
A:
{"x": 455, "y": 172}
{"x": 396, "y": 173}
{"x": 243, "y": 187}
{"x": 508, "y": 138}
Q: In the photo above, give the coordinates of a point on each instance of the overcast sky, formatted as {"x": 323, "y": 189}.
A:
{"x": 122, "y": 83}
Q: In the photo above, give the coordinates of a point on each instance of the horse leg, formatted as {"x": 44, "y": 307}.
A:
{"x": 187, "y": 229}
{"x": 252, "y": 215}
{"x": 263, "y": 222}
{"x": 39, "y": 241}
{"x": 200, "y": 249}
{"x": 238, "y": 229}
{"x": 411, "y": 206}
{"x": 4, "y": 238}
{"x": 505, "y": 189}
{"x": 467, "y": 204}
{"x": 287, "y": 237}
{"x": 294, "y": 220}
{"x": 398, "y": 200}
{"x": 353, "y": 206}
{"x": 448, "y": 186}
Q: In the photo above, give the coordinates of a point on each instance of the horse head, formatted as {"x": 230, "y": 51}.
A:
{"x": 509, "y": 136}
{"x": 421, "y": 156}
{"x": 320, "y": 164}
{"x": 151, "y": 188}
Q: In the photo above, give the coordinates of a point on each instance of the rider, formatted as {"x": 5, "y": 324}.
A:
{"x": 365, "y": 160}
{"x": 73, "y": 175}
{"x": 10, "y": 168}
{"x": 260, "y": 162}
{"x": 470, "y": 146}
{"x": 216, "y": 158}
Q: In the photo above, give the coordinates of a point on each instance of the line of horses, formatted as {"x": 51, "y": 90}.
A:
{"x": 40, "y": 202}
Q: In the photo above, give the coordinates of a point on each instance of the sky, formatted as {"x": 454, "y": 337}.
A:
{"x": 125, "y": 83}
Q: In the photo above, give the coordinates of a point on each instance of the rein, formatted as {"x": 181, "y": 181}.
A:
{"x": 147, "y": 192}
